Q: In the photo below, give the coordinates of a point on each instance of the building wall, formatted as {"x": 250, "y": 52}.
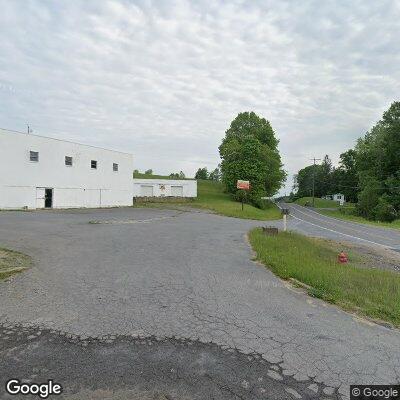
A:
{"x": 73, "y": 186}
{"x": 164, "y": 188}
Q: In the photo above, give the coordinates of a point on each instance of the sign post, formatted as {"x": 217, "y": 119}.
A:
{"x": 245, "y": 186}
{"x": 285, "y": 213}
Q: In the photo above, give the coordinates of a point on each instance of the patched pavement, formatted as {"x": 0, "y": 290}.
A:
{"x": 121, "y": 367}
{"x": 157, "y": 290}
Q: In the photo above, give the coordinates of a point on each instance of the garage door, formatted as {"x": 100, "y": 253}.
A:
{"x": 177, "y": 191}
{"x": 146, "y": 191}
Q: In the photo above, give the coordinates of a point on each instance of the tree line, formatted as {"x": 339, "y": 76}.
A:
{"x": 214, "y": 175}
{"x": 149, "y": 173}
{"x": 368, "y": 174}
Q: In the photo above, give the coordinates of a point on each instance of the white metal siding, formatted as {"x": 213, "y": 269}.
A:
{"x": 74, "y": 186}
{"x": 165, "y": 187}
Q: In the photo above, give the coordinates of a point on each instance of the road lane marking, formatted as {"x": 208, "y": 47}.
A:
{"x": 340, "y": 233}
{"x": 324, "y": 219}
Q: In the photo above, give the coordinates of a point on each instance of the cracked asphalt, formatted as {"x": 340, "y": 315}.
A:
{"x": 161, "y": 290}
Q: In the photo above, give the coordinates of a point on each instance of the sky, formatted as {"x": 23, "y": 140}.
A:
{"x": 164, "y": 79}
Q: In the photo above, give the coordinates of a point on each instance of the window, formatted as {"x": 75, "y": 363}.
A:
{"x": 68, "y": 161}
{"x": 115, "y": 167}
{"x": 34, "y": 156}
{"x": 93, "y": 164}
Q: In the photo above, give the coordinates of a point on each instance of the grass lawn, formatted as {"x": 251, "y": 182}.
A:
{"x": 355, "y": 218}
{"x": 211, "y": 196}
{"x": 319, "y": 203}
{"x": 371, "y": 292}
{"x": 12, "y": 262}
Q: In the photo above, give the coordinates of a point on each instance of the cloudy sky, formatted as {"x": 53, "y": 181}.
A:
{"x": 163, "y": 79}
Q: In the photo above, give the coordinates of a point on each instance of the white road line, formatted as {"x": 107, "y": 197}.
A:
{"x": 337, "y": 222}
{"x": 340, "y": 233}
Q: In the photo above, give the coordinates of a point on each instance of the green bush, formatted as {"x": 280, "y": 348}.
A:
{"x": 384, "y": 211}
{"x": 263, "y": 204}
{"x": 368, "y": 200}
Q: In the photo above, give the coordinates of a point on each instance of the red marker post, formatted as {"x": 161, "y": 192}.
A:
{"x": 243, "y": 185}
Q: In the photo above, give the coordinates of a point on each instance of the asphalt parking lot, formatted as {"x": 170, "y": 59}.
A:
{"x": 105, "y": 281}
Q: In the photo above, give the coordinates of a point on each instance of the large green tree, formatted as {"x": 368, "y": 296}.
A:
{"x": 378, "y": 164}
{"x": 344, "y": 179}
{"x": 249, "y": 151}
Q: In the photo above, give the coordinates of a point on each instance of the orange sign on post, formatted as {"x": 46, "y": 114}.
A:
{"x": 244, "y": 185}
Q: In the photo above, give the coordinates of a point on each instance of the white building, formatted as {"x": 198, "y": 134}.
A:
{"x": 164, "y": 188}
{"x": 39, "y": 172}
{"x": 339, "y": 197}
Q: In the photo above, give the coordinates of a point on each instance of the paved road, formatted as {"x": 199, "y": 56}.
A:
{"x": 181, "y": 285}
{"x": 311, "y": 222}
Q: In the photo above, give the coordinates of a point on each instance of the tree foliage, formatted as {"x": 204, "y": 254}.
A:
{"x": 201, "y": 173}
{"x": 369, "y": 174}
{"x": 378, "y": 161}
{"x": 177, "y": 175}
{"x": 249, "y": 151}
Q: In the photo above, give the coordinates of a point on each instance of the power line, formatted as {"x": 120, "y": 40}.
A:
{"x": 313, "y": 180}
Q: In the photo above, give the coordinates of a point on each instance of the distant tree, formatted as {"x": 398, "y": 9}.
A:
{"x": 148, "y": 172}
{"x": 215, "y": 175}
{"x": 249, "y": 151}
{"x": 136, "y": 171}
{"x": 201, "y": 173}
{"x": 345, "y": 178}
{"x": 177, "y": 175}
{"x": 304, "y": 181}
{"x": 323, "y": 183}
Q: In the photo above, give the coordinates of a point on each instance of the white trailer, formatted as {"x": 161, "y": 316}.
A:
{"x": 42, "y": 172}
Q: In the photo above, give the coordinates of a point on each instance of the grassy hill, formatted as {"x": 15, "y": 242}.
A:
{"x": 211, "y": 196}
{"x": 140, "y": 175}
{"x": 349, "y": 216}
{"x": 319, "y": 203}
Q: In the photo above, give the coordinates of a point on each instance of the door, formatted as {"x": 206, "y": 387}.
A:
{"x": 48, "y": 198}
{"x": 146, "y": 191}
{"x": 40, "y": 197}
{"x": 177, "y": 191}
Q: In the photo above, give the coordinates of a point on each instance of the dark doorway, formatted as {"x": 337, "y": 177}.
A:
{"x": 48, "y": 198}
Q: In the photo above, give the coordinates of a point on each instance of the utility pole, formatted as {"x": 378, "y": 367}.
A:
{"x": 313, "y": 180}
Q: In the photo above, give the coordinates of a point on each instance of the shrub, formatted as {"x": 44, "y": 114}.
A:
{"x": 384, "y": 211}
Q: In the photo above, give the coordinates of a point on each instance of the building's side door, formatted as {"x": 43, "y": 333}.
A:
{"x": 40, "y": 197}
{"x": 48, "y": 198}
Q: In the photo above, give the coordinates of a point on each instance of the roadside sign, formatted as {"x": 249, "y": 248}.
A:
{"x": 244, "y": 185}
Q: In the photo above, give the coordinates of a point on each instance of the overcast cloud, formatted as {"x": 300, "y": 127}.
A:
{"x": 163, "y": 79}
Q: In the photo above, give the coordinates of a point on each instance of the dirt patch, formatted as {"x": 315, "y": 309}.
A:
{"x": 12, "y": 262}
